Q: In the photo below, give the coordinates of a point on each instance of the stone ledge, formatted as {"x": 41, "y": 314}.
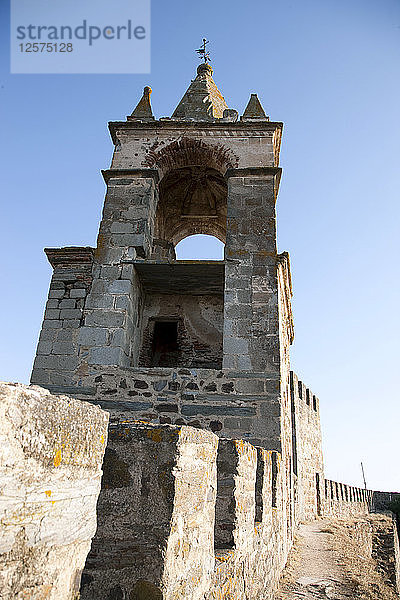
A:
{"x": 69, "y": 255}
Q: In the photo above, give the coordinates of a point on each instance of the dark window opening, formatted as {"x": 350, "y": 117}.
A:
{"x": 164, "y": 351}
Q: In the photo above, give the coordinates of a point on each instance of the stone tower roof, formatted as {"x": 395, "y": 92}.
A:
{"x": 202, "y": 100}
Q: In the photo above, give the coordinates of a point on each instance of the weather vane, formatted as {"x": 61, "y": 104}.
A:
{"x": 202, "y": 51}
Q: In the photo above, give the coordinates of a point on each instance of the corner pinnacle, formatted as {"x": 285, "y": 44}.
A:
{"x": 143, "y": 111}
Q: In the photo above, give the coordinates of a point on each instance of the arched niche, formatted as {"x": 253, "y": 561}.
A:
{"x": 192, "y": 200}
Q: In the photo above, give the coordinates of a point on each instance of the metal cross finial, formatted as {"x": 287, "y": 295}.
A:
{"x": 202, "y": 51}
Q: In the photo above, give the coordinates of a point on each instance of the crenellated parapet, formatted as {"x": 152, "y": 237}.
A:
{"x": 308, "y": 464}
{"x": 183, "y": 514}
{"x": 342, "y": 500}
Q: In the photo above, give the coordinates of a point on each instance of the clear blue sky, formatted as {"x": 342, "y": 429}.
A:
{"x": 328, "y": 69}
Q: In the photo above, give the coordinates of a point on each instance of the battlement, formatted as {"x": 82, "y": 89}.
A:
{"x": 183, "y": 514}
{"x": 342, "y": 500}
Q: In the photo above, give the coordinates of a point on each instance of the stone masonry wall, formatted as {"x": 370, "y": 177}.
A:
{"x": 155, "y": 515}
{"x": 110, "y": 334}
{"x": 385, "y": 547}
{"x": 249, "y": 560}
{"x": 384, "y": 500}
{"x": 58, "y": 348}
{"x": 230, "y": 403}
{"x": 377, "y": 535}
{"x": 156, "y": 536}
{"x": 251, "y": 336}
{"x": 307, "y": 451}
{"x": 51, "y": 450}
{"x": 342, "y": 500}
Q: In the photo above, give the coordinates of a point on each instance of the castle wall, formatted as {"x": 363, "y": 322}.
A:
{"x": 51, "y": 450}
{"x": 384, "y": 500}
{"x": 155, "y": 515}
{"x": 307, "y": 451}
{"x": 248, "y": 562}
{"x": 386, "y": 547}
{"x": 342, "y": 500}
{"x": 162, "y": 486}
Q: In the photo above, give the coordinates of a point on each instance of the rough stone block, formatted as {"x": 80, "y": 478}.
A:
{"x": 123, "y": 302}
{"x": 99, "y": 301}
{"x": 92, "y": 336}
{"x": 77, "y": 293}
{"x": 51, "y": 451}
{"x": 55, "y": 293}
{"x": 67, "y": 303}
{"x": 106, "y": 356}
{"x": 119, "y": 338}
{"x": 244, "y": 362}
{"x": 156, "y": 514}
{"x": 63, "y": 348}
{"x": 110, "y": 272}
{"x": 44, "y": 347}
{"x": 62, "y": 363}
{"x": 71, "y": 313}
{"x": 103, "y": 318}
{"x": 71, "y": 323}
{"x": 121, "y": 227}
{"x": 121, "y": 286}
{"x": 235, "y": 345}
{"x": 51, "y": 314}
{"x": 52, "y": 303}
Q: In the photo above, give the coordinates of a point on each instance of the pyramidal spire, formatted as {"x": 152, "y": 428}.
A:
{"x": 202, "y": 100}
{"x": 143, "y": 111}
{"x": 254, "y": 110}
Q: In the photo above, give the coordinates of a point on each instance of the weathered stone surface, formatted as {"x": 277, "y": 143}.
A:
{"x": 156, "y": 515}
{"x": 51, "y": 450}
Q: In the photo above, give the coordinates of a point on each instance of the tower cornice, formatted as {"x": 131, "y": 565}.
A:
{"x": 241, "y": 127}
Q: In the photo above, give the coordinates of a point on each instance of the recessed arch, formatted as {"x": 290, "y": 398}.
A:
{"x": 200, "y": 247}
{"x": 192, "y": 200}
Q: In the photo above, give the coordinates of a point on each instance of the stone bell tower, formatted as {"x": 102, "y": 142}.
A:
{"x": 149, "y": 337}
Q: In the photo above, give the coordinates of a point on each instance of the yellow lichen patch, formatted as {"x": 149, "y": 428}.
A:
{"x": 48, "y": 493}
{"x": 57, "y": 458}
{"x": 155, "y": 435}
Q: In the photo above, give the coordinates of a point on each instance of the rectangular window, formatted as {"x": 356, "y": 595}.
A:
{"x": 164, "y": 350}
